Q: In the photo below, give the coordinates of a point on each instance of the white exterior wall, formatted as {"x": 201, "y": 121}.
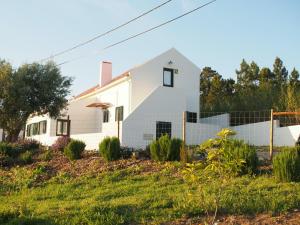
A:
{"x": 48, "y": 138}
{"x": 163, "y": 104}
{"x": 149, "y": 76}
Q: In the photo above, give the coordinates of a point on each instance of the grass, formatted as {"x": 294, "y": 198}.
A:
{"x": 129, "y": 197}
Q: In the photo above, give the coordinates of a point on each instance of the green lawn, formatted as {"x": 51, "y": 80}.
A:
{"x": 130, "y": 196}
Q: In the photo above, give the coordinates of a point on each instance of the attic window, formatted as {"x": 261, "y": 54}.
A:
{"x": 168, "y": 77}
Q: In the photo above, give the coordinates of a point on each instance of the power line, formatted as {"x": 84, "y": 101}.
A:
{"x": 144, "y": 32}
{"x": 106, "y": 33}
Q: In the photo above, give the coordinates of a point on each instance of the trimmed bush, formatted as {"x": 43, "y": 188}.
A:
{"x": 61, "y": 143}
{"x": 26, "y": 157}
{"x": 110, "y": 148}
{"x": 286, "y": 165}
{"x": 5, "y": 148}
{"x": 165, "y": 149}
{"x": 10, "y": 150}
{"x": 74, "y": 149}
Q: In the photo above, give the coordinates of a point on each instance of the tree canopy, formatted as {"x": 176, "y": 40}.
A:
{"x": 255, "y": 89}
{"x": 30, "y": 89}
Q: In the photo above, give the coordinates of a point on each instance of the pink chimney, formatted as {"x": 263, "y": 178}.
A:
{"x": 105, "y": 73}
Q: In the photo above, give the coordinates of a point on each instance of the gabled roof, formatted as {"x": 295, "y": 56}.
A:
{"x": 97, "y": 87}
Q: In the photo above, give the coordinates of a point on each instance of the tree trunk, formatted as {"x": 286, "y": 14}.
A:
{"x": 13, "y": 135}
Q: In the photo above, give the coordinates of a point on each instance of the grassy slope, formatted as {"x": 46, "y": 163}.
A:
{"x": 128, "y": 196}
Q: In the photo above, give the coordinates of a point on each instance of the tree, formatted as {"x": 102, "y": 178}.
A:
{"x": 31, "y": 89}
{"x": 216, "y": 92}
{"x": 294, "y": 78}
{"x": 280, "y": 72}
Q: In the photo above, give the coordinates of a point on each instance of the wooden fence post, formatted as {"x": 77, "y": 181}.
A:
{"x": 68, "y": 126}
{"x": 118, "y": 125}
{"x": 184, "y": 128}
{"x": 271, "y": 134}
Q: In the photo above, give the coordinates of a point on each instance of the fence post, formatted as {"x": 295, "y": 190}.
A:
{"x": 184, "y": 128}
{"x": 118, "y": 125}
{"x": 68, "y": 126}
{"x": 271, "y": 134}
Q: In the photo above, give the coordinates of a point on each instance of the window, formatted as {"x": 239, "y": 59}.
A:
{"x": 191, "y": 117}
{"x": 43, "y": 127}
{"x": 28, "y": 130}
{"x": 35, "y": 129}
{"x": 163, "y": 128}
{"x": 168, "y": 79}
{"x": 62, "y": 127}
{"x": 105, "y": 115}
{"x": 119, "y": 113}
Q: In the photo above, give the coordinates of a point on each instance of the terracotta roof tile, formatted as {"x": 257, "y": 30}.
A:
{"x": 97, "y": 87}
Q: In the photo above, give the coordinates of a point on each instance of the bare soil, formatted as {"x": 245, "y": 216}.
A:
{"x": 291, "y": 218}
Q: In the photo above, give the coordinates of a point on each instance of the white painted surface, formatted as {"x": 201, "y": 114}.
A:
{"x": 219, "y": 120}
{"x": 163, "y": 104}
{"x": 1, "y": 133}
{"x": 91, "y": 140}
{"x": 197, "y": 133}
{"x": 259, "y": 134}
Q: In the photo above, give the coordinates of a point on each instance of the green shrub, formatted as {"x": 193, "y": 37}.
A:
{"x": 46, "y": 155}
{"x": 231, "y": 151}
{"x": 239, "y": 150}
{"x": 10, "y": 150}
{"x": 5, "y": 148}
{"x": 174, "y": 152}
{"x": 26, "y": 157}
{"x": 165, "y": 149}
{"x": 286, "y": 165}
{"x": 110, "y": 148}
{"x": 74, "y": 149}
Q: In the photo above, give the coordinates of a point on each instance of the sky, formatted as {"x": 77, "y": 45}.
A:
{"x": 219, "y": 35}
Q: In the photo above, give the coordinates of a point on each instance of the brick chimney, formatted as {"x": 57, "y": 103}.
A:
{"x": 105, "y": 73}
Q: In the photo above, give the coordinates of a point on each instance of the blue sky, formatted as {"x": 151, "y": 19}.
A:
{"x": 219, "y": 35}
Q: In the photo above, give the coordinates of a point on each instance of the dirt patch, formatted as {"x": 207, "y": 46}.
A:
{"x": 291, "y": 218}
{"x": 92, "y": 164}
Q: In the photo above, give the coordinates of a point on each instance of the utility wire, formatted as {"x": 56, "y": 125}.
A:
{"x": 106, "y": 33}
{"x": 144, "y": 32}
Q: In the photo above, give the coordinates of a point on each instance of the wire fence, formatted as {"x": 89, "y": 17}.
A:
{"x": 139, "y": 129}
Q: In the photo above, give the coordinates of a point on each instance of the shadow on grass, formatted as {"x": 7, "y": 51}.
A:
{"x": 25, "y": 221}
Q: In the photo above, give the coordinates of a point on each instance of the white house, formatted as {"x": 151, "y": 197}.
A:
{"x": 149, "y": 100}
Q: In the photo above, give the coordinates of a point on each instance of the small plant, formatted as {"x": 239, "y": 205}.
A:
{"x": 232, "y": 150}
{"x": 74, "y": 149}
{"x": 165, "y": 149}
{"x": 298, "y": 141}
{"x": 61, "y": 143}
{"x": 286, "y": 165}
{"x": 46, "y": 155}
{"x": 26, "y": 157}
{"x": 28, "y": 145}
{"x": 6, "y": 149}
{"x": 110, "y": 148}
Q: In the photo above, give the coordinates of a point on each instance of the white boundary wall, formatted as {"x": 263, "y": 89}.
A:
{"x": 259, "y": 134}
